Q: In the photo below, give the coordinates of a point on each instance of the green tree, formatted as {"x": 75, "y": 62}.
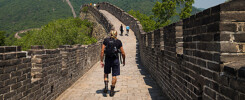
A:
{"x": 166, "y": 9}
{"x": 59, "y": 32}
{"x": 2, "y": 38}
{"x": 147, "y": 22}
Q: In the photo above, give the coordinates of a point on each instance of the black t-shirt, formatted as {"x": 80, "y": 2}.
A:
{"x": 118, "y": 43}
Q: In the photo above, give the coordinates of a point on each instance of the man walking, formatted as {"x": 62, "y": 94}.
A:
{"x": 111, "y": 47}
{"x": 121, "y": 29}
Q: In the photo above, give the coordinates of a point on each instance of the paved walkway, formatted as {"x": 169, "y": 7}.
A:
{"x": 134, "y": 83}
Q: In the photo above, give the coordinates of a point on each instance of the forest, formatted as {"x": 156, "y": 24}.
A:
{"x": 59, "y": 32}
{"x": 19, "y": 15}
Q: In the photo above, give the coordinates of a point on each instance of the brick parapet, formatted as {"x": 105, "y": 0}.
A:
{"x": 40, "y": 73}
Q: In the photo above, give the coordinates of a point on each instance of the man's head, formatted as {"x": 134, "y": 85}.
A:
{"x": 113, "y": 34}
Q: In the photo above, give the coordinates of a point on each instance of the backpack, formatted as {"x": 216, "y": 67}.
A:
{"x": 111, "y": 49}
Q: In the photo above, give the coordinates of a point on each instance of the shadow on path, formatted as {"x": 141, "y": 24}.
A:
{"x": 105, "y": 94}
{"x": 155, "y": 92}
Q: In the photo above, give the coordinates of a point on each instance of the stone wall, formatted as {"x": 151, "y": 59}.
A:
{"x": 99, "y": 16}
{"x": 43, "y": 73}
{"x": 201, "y": 57}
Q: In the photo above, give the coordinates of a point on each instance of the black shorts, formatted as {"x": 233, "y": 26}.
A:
{"x": 112, "y": 64}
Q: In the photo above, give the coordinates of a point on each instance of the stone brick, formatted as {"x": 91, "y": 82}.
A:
{"x": 213, "y": 66}
{"x": 15, "y": 74}
{"x": 1, "y": 84}
{"x": 228, "y": 47}
{"x": 21, "y": 54}
{"x": 242, "y": 97}
{"x": 1, "y": 70}
{"x": 228, "y": 26}
{"x": 1, "y": 49}
{"x": 21, "y": 78}
{"x": 9, "y": 95}
{"x": 15, "y": 86}
{"x": 1, "y": 57}
{"x": 230, "y": 93}
{"x": 10, "y": 82}
{"x": 237, "y": 84}
{"x": 9, "y": 69}
{"x": 235, "y": 5}
{"x": 4, "y": 90}
{"x": 10, "y": 49}
{"x": 8, "y": 56}
{"x": 241, "y": 72}
{"x": 210, "y": 93}
{"x": 239, "y": 37}
{"x": 36, "y": 60}
{"x": 230, "y": 70}
{"x": 4, "y": 77}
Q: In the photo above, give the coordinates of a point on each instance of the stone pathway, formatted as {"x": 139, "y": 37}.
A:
{"x": 134, "y": 83}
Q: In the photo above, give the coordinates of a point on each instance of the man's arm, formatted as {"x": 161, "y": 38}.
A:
{"x": 102, "y": 55}
{"x": 123, "y": 55}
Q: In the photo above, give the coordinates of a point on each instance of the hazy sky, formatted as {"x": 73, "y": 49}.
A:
{"x": 207, "y": 3}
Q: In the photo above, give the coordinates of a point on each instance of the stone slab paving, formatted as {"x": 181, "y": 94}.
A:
{"x": 134, "y": 83}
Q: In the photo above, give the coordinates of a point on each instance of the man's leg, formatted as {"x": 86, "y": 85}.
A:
{"x": 114, "y": 81}
{"x": 113, "y": 84}
{"x": 106, "y": 80}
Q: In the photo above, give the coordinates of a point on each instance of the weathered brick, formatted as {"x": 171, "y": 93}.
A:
{"x": 21, "y": 54}
{"x": 15, "y": 86}
{"x": 213, "y": 66}
{"x": 230, "y": 93}
{"x": 10, "y": 49}
{"x": 26, "y": 60}
{"x": 1, "y": 70}
{"x": 210, "y": 93}
{"x": 228, "y": 47}
{"x": 1, "y": 84}
{"x": 9, "y": 95}
{"x": 230, "y": 70}
{"x": 36, "y": 60}
{"x": 4, "y": 77}
{"x": 235, "y": 5}
{"x": 241, "y": 72}
{"x": 242, "y": 97}
{"x": 1, "y": 57}
{"x": 207, "y": 73}
{"x": 239, "y": 37}
{"x": 9, "y": 69}
{"x": 8, "y": 56}
{"x": 220, "y": 97}
{"x": 10, "y": 82}
{"x": 21, "y": 78}
{"x": 17, "y": 96}
{"x": 1, "y": 97}
{"x": 15, "y": 74}
{"x": 1, "y": 49}
{"x": 4, "y": 90}
{"x": 237, "y": 85}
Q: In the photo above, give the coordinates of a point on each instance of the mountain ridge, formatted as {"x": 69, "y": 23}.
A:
{"x": 19, "y": 15}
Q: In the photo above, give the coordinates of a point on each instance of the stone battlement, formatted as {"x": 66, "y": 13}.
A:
{"x": 41, "y": 73}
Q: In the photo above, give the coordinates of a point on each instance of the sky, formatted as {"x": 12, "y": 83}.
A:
{"x": 207, "y": 3}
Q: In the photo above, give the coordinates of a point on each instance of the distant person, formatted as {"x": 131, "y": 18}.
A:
{"x": 111, "y": 47}
{"x": 127, "y": 29}
{"x": 121, "y": 29}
